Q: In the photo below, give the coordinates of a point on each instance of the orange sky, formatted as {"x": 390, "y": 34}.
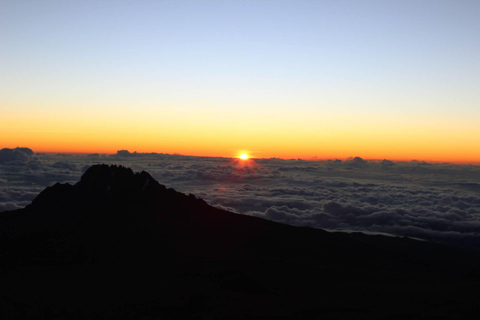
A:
{"x": 288, "y": 135}
{"x": 290, "y": 79}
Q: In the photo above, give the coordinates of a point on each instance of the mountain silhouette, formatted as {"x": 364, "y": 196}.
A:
{"x": 118, "y": 244}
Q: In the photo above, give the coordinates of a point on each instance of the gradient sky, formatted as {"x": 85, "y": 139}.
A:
{"x": 376, "y": 79}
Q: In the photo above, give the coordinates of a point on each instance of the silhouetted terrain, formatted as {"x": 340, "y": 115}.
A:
{"x": 121, "y": 245}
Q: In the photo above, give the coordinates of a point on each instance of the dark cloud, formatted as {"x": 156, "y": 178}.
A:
{"x": 18, "y": 155}
{"x": 428, "y": 201}
{"x": 125, "y": 153}
{"x": 65, "y": 165}
{"x": 7, "y": 206}
{"x": 356, "y": 162}
{"x": 387, "y": 163}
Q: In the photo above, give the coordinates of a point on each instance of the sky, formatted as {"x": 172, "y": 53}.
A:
{"x": 288, "y": 79}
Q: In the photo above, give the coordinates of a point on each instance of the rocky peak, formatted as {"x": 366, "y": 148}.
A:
{"x": 102, "y": 183}
{"x": 112, "y": 179}
{"x": 111, "y": 186}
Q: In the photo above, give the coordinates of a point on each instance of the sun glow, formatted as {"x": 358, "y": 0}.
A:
{"x": 243, "y": 156}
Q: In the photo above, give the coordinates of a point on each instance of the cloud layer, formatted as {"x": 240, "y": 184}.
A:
{"x": 438, "y": 202}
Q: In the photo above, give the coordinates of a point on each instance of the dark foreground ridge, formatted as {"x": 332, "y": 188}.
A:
{"x": 120, "y": 245}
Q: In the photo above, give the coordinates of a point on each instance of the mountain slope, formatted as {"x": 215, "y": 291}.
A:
{"x": 119, "y": 244}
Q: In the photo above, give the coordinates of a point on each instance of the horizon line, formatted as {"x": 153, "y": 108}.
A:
{"x": 313, "y": 159}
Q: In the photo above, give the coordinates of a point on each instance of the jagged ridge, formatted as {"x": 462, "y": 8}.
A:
{"x": 113, "y": 186}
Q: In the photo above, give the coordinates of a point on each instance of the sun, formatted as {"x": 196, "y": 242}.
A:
{"x": 243, "y": 156}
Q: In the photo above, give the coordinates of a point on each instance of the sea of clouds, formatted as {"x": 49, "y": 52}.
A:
{"x": 439, "y": 202}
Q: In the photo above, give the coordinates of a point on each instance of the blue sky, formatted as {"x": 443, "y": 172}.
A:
{"x": 427, "y": 49}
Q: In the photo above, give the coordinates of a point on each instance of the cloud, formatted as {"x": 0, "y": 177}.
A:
{"x": 18, "y": 155}
{"x": 356, "y": 162}
{"x": 8, "y": 206}
{"x": 125, "y": 153}
{"x": 437, "y": 202}
{"x": 65, "y": 165}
